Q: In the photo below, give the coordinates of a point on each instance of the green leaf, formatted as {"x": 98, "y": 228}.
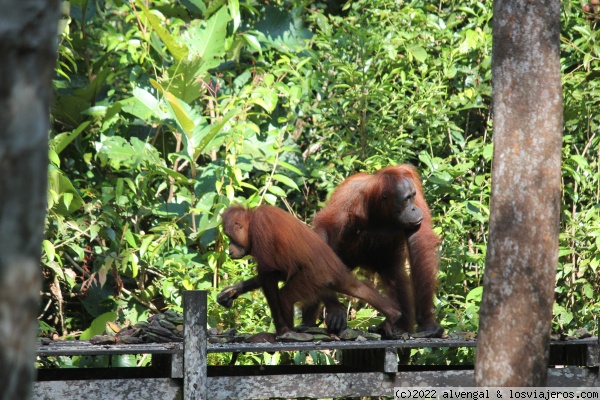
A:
{"x": 480, "y": 180}
{"x": 564, "y": 252}
{"x": 252, "y": 41}
{"x": 276, "y": 190}
{"x": 418, "y": 53}
{"x": 470, "y": 42}
{"x": 588, "y": 291}
{"x": 59, "y": 184}
{"x": 123, "y": 361}
{"x": 281, "y": 29}
{"x": 49, "y": 249}
{"x": 206, "y": 40}
{"x": 67, "y": 199}
{"x": 143, "y": 105}
{"x": 475, "y": 294}
{"x": 129, "y": 238}
{"x": 146, "y": 241}
{"x": 62, "y": 140}
{"x": 234, "y": 11}
{"x": 98, "y": 325}
{"x": 290, "y": 167}
{"x": 105, "y": 269}
{"x": 579, "y": 160}
{"x": 55, "y": 267}
{"x": 213, "y": 7}
{"x": 177, "y": 50}
{"x": 261, "y": 102}
{"x": 182, "y": 118}
{"x": 488, "y": 151}
{"x": 195, "y": 6}
{"x": 187, "y": 81}
{"x": 117, "y": 152}
{"x": 564, "y": 316}
{"x": 203, "y": 137}
{"x": 135, "y": 266}
{"x": 286, "y": 181}
{"x": 270, "y": 199}
{"x": 179, "y": 178}
{"x": 54, "y": 158}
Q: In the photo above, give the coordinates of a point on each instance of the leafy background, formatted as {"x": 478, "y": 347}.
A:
{"x": 167, "y": 112}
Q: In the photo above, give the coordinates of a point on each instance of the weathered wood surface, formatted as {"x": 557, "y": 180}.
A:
{"x": 85, "y": 348}
{"x": 322, "y": 385}
{"x": 82, "y": 347}
{"x": 194, "y": 348}
{"x": 109, "y": 389}
{"x": 367, "y": 384}
{"x": 180, "y": 371}
{"x": 372, "y": 344}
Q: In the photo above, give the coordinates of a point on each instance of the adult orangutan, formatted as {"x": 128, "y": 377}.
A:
{"x": 378, "y": 222}
{"x": 287, "y": 250}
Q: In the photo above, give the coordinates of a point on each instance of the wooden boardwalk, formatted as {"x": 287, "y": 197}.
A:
{"x": 368, "y": 368}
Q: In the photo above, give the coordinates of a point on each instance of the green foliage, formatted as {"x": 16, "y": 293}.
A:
{"x": 418, "y": 94}
{"x": 578, "y": 278}
{"x": 167, "y": 112}
{"x": 174, "y": 121}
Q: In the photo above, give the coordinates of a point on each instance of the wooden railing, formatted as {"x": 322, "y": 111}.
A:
{"x": 368, "y": 368}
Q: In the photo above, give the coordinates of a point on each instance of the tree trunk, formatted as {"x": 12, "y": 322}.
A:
{"x": 28, "y": 40}
{"x": 522, "y": 254}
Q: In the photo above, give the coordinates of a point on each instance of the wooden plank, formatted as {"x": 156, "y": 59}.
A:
{"x": 85, "y": 348}
{"x": 169, "y": 356}
{"x": 194, "y": 349}
{"x": 109, "y": 389}
{"x": 371, "y": 344}
{"x": 188, "y": 361}
{"x": 593, "y": 356}
{"x": 301, "y": 385}
{"x": 573, "y": 377}
{"x": 289, "y": 385}
{"x": 81, "y": 347}
{"x": 366, "y": 384}
{"x": 337, "y": 345}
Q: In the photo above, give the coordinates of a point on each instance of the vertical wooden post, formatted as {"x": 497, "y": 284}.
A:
{"x": 515, "y": 317}
{"x": 28, "y": 42}
{"x": 194, "y": 345}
